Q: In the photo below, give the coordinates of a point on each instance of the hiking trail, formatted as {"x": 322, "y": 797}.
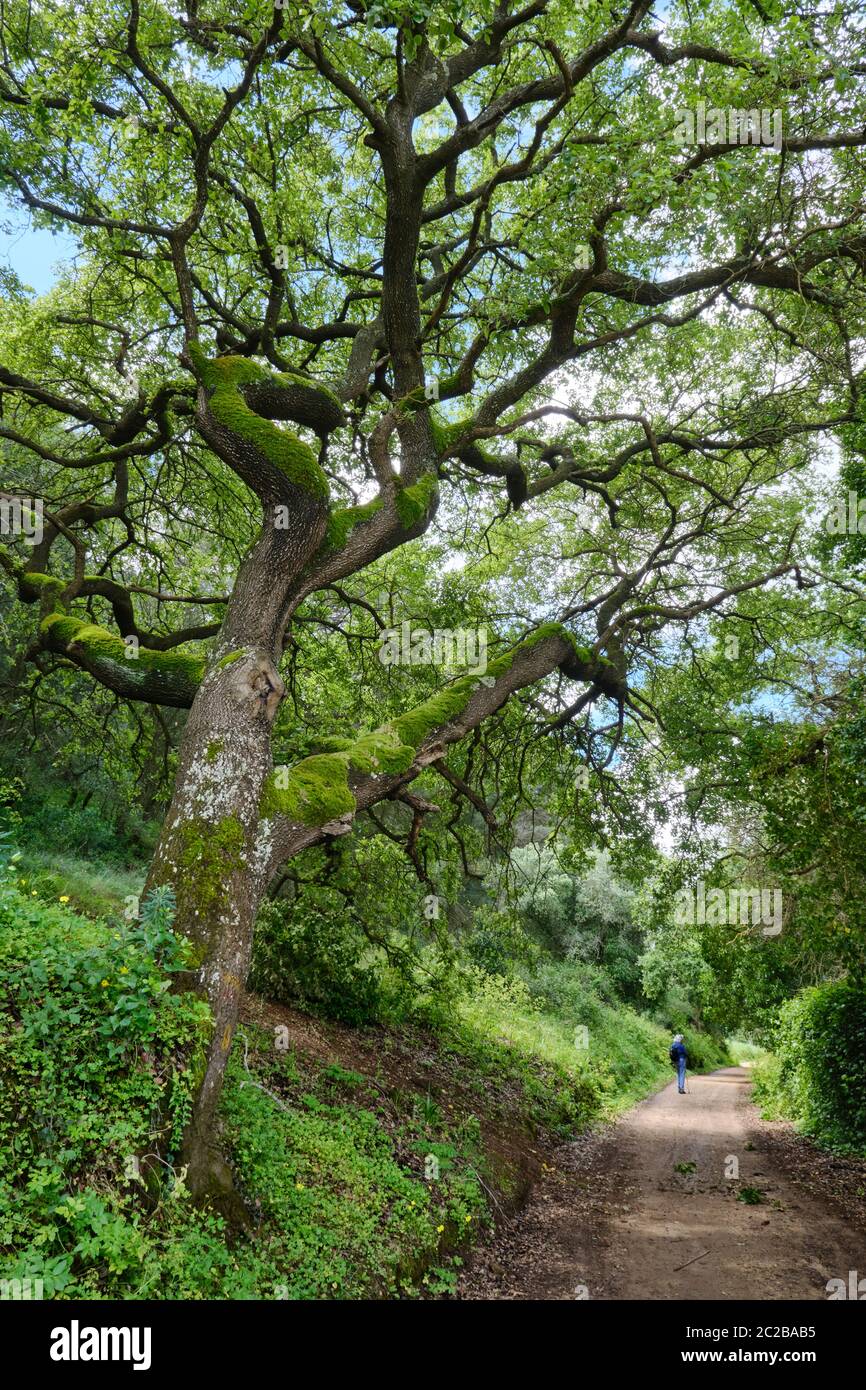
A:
{"x": 625, "y": 1215}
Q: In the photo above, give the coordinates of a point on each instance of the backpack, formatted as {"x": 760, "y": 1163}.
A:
{"x": 672, "y": 1053}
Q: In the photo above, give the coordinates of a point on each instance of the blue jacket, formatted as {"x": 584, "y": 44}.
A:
{"x": 677, "y": 1051}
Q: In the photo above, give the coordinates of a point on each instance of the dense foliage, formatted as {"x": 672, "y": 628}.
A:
{"x": 818, "y": 1074}
{"x": 98, "y": 1059}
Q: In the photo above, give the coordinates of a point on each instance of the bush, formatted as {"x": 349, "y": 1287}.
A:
{"x": 745, "y": 1053}
{"x": 97, "y": 1057}
{"x": 95, "y": 889}
{"x": 52, "y": 825}
{"x": 94, "y": 1061}
{"x": 311, "y": 951}
{"x": 818, "y": 1077}
{"x": 706, "y": 1053}
{"x": 345, "y": 1210}
{"x": 497, "y": 940}
{"x": 609, "y": 1052}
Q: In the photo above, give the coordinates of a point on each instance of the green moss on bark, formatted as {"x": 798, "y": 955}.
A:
{"x": 316, "y": 789}
{"x": 414, "y": 502}
{"x": 98, "y": 644}
{"x": 230, "y": 657}
{"x": 209, "y": 854}
{"x": 45, "y": 587}
{"x": 448, "y": 387}
{"x": 545, "y": 630}
{"x": 343, "y": 521}
{"x": 446, "y": 433}
{"x": 296, "y": 379}
{"x": 60, "y": 629}
{"x": 224, "y": 378}
{"x": 313, "y": 792}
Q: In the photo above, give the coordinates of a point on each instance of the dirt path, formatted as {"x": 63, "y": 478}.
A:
{"x": 617, "y": 1219}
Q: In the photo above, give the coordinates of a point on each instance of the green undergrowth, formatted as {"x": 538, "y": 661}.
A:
{"x": 92, "y": 887}
{"x": 556, "y": 1016}
{"x": 355, "y": 1193}
{"x": 745, "y": 1053}
{"x": 95, "y": 1058}
{"x": 816, "y": 1075}
{"x": 362, "y": 1192}
{"x": 367, "y": 1176}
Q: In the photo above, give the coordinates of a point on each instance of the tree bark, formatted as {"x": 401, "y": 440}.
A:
{"x": 209, "y": 848}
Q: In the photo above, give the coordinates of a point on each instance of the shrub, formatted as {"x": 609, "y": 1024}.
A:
{"x": 497, "y": 940}
{"x": 706, "y": 1053}
{"x": 97, "y": 1056}
{"x": 818, "y": 1077}
{"x": 94, "y": 1060}
{"x": 311, "y": 951}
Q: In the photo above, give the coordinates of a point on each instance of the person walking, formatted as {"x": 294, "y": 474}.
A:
{"x": 680, "y": 1059}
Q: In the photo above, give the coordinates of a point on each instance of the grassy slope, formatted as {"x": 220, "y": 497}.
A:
{"x": 96, "y": 889}
{"x": 371, "y": 1157}
{"x": 619, "y": 1054}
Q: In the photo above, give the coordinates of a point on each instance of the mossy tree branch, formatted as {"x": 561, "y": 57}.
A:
{"x": 320, "y": 796}
{"x": 134, "y": 672}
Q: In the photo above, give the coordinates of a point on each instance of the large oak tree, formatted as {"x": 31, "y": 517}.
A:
{"x": 349, "y": 273}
